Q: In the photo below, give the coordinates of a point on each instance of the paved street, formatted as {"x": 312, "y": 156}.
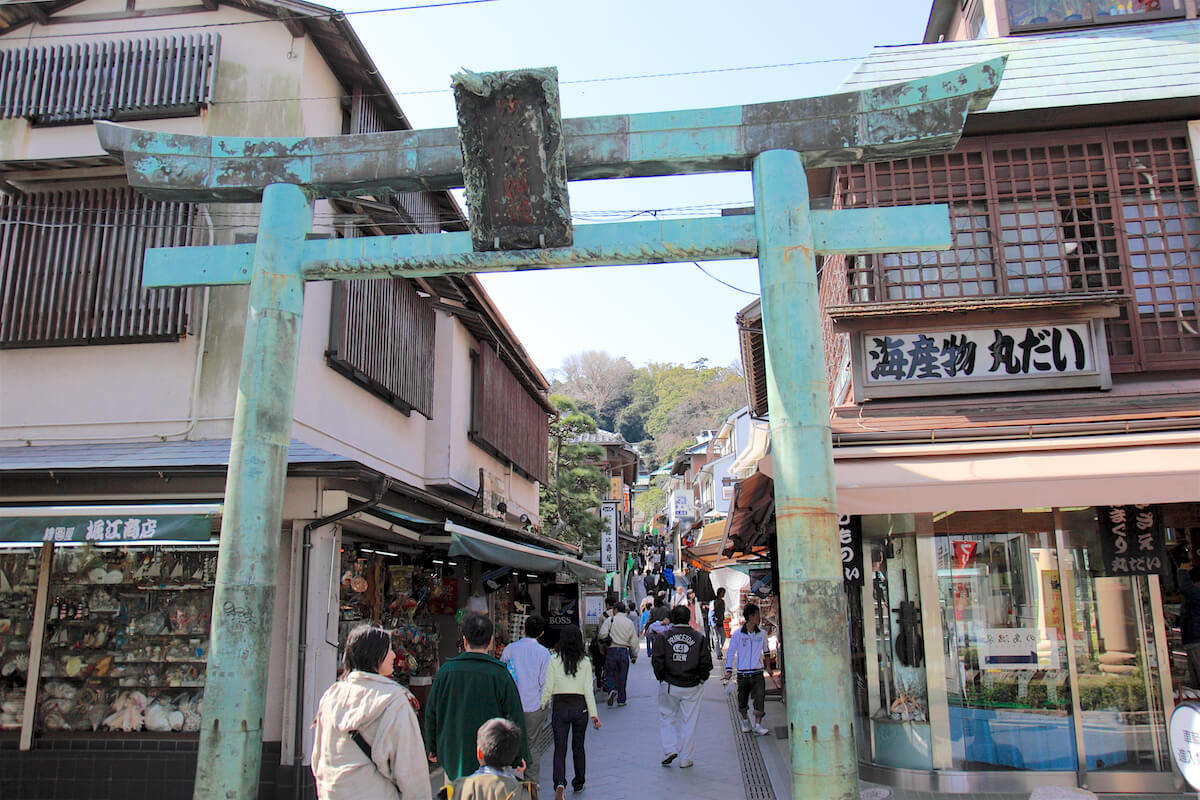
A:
{"x": 624, "y": 755}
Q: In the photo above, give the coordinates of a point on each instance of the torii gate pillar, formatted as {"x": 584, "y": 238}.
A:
{"x": 244, "y": 597}
{"x": 816, "y": 651}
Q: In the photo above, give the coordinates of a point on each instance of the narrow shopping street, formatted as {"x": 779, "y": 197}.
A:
{"x": 624, "y": 755}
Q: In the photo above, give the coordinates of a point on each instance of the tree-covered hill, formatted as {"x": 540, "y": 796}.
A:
{"x": 658, "y": 407}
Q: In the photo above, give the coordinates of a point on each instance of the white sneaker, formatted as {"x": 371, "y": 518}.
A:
{"x": 745, "y": 725}
{"x": 760, "y": 729}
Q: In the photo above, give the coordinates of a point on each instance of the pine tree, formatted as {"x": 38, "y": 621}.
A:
{"x": 576, "y": 485}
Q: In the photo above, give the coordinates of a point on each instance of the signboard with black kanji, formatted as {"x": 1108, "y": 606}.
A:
{"x": 1132, "y": 540}
{"x": 939, "y": 361}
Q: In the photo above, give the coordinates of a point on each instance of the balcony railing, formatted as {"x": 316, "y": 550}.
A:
{"x": 131, "y": 79}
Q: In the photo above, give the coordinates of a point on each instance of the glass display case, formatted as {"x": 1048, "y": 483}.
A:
{"x": 126, "y": 638}
{"x": 18, "y": 588}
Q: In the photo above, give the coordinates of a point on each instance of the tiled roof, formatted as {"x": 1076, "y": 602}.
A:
{"x": 1113, "y": 64}
{"x": 600, "y": 437}
{"x": 207, "y": 453}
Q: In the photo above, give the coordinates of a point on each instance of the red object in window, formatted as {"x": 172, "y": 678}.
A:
{"x": 964, "y": 553}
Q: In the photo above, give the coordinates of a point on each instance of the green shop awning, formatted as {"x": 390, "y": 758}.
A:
{"x": 110, "y": 525}
{"x": 494, "y": 550}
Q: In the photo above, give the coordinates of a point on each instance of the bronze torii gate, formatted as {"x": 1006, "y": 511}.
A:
{"x": 514, "y": 158}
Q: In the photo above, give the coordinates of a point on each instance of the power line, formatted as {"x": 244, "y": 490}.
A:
{"x": 295, "y": 18}
{"x": 579, "y": 81}
{"x": 723, "y": 283}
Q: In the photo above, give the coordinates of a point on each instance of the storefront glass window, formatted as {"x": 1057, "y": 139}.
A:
{"x": 18, "y": 585}
{"x": 1007, "y": 675}
{"x": 126, "y": 640}
{"x": 1119, "y": 683}
{"x": 896, "y": 700}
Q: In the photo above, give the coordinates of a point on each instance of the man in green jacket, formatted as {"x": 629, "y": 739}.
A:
{"x": 467, "y": 691}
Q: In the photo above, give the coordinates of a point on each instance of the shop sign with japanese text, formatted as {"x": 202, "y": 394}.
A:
{"x": 608, "y": 537}
{"x": 1184, "y": 737}
{"x": 100, "y": 529}
{"x": 850, "y": 540}
{"x": 966, "y": 360}
{"x": 1131, "y": 539}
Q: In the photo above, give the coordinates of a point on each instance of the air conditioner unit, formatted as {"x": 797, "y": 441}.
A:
{"x": 494, "y": 497}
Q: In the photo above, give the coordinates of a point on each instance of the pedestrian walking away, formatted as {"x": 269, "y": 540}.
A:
{"x": 622, "y": 650}
{"x": 496, "y": 745}
{"x": 658, "y": 621}
{"x": 682, "y": 663}
{"x": 718, "y": 618}
{"x": 745, "y": 655}
{"x": 467, "y": 691}
{"x": 367, "y": 742}
{"x": 527, "y": 661}
{"x": 569, "y": 686}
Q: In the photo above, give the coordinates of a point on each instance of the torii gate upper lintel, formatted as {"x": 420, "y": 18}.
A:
{"x": 774, "y": 140}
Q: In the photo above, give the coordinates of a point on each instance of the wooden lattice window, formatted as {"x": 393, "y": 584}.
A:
{"x": 128, "y": 79}
{"x": 71, "y": 267}
{"x": 506, "y": 420}
{"x": 1044, "y": 214}
{"x": 382, "y": 337}
{"x": 1161, "y": 221}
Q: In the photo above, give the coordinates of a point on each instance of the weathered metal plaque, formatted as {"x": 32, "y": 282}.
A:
{"x": 514, "y": 159}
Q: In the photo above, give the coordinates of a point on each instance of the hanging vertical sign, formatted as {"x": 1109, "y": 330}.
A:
{"x": 850, "y": 540}
{"x": 608, "y": 537}
{"x": 1131, "y": 540}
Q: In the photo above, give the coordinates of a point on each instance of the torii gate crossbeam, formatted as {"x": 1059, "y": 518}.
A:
{"x": 775, "y": 140}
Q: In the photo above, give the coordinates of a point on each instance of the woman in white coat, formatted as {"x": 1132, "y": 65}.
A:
{"x": 368, "y": 743}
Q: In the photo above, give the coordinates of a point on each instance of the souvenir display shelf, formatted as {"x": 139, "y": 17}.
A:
{"x": 379, "y": 588}
{"x": 126, "y": 639}
{"x": 18, "y": 587}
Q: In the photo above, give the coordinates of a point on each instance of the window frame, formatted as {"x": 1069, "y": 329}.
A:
{"x": 1083, "y": 170}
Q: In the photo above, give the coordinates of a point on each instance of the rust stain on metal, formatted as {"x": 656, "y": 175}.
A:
{"x": 798, "y": 251}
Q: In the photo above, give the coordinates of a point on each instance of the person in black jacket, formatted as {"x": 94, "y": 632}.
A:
{"x": 682, "y": 663}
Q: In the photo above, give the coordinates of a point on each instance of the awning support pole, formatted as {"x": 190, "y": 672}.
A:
{"x": 811, "y": 597}
{"x": 244, "y": 599}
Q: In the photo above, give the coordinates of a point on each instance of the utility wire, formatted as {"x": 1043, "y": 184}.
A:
{"x": 578, "y": 81}
{"x": 294, "y": 18}
{"x": 723, "y": 283}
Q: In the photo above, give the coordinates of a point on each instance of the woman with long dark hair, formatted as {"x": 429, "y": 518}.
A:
{"x": 367, "y": 744}
{"x": 569, "y": 681}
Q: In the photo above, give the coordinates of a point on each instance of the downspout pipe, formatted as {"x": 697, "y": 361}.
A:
{"x": 302, "y": 638}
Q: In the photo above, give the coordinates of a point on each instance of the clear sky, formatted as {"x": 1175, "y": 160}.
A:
{"x": 658, "y": 313}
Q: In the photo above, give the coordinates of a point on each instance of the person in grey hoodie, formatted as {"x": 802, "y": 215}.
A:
{"x": 367, "y": 744}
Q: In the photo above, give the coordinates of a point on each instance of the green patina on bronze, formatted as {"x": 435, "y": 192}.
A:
{"x": 514, "y": 158}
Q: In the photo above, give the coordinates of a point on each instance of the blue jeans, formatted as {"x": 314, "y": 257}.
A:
{"x": 616, "y": 671}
